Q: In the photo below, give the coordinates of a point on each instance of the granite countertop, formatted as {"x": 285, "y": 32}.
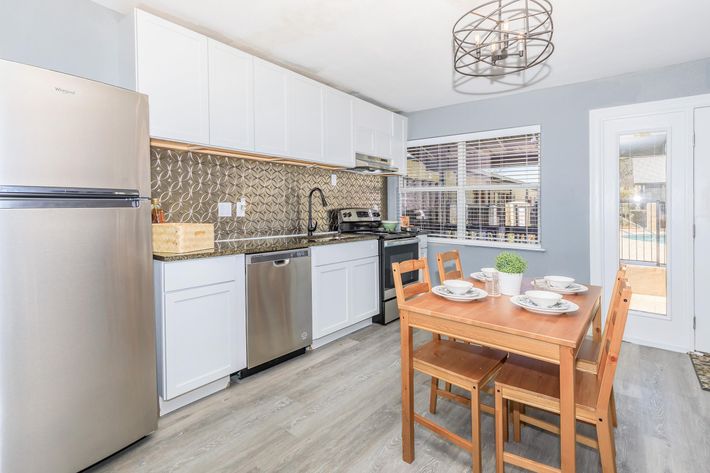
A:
{"x": 264, "y": 245}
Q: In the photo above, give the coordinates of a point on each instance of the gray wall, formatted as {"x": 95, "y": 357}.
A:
{"x": 563, "y": 114}
{"x": 74, "y": 36}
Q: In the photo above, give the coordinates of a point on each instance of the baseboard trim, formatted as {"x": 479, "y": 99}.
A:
{"x": 192, "y": 396}
{"x": 331, "y": 337}
{"x": 654, "y": 344}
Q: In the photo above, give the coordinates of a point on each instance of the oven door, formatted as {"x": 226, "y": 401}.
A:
{"x": 396, "y": 251}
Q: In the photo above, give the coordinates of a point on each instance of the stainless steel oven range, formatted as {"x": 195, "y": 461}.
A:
{"x": 395, "y": 247}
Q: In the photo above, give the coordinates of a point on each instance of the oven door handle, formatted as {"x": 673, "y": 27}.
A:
{"x": 407, "y": 241}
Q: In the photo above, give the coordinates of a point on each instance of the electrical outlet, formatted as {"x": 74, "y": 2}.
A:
{"x": 242, "y": 207}
{"x": 333, "y": 179}
{"x": 224, "y": 209}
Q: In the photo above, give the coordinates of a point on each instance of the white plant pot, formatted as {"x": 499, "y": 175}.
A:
{"x": 510, "y": 283}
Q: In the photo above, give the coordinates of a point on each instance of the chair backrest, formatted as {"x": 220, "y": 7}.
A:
{"x": 442, "y": 259}
{"x": 620, "y": 277}
{"x": 410, "y": 290}
{"x": 611, "y": 345}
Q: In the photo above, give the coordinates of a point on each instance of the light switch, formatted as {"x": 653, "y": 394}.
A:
{"x": 224, "y": 209}
{"x": 242, "y": 208}
{"x": 333, "y": 179}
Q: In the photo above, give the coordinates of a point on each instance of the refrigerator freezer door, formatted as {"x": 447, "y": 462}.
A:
{"x": 77, "y": 334}
{"x": 58, "y": 130}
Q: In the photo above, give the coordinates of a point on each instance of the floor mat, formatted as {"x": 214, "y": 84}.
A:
{"x": 701, "y": 363}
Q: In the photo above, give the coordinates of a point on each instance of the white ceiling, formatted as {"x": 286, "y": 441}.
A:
{"x": 398, "y": 52}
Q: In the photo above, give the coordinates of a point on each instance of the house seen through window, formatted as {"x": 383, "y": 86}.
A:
{"x": 482, "y": 187}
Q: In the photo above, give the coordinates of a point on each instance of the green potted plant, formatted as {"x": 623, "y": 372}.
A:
{"x": 510, "y": 268}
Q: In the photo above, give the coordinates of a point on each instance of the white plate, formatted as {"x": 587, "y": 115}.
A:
{"x": 574, "y": 288}
{"x": 472, "y": 295}
{"x": 562, "y": 307}
{"x": 479, "y": 276}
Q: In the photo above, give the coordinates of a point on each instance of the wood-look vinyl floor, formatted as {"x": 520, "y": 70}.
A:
{"x": 337, "y": 409}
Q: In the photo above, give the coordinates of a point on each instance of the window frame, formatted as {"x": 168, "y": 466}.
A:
{"x": 461, "y": 189}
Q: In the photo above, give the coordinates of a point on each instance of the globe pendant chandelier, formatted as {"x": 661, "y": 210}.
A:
{"x": 502, "y": 37}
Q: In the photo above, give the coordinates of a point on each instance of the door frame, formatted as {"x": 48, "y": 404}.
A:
{"x": 599, "y": 210}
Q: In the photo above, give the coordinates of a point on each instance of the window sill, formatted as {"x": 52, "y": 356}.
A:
{"x": 485, "y": 244}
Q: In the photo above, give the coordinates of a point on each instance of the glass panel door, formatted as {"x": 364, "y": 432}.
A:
{"x": 643, "y": 217}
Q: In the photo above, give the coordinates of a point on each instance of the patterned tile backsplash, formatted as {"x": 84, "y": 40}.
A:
{"x": 189, "y": 186}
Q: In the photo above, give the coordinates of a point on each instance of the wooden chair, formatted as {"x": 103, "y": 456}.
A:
{"x": 536, "y": 384}
{"x": 590, "y": 352}
{"x": 442, "y": 259}
{"x": 466, "y": 366}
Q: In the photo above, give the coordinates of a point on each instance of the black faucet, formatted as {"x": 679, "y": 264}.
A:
{"x": 311, "y": 224}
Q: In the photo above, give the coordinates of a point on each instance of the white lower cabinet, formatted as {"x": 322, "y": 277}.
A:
{"x": 330, "y": 301}
{"x": 201, "y": 327}
{"x": 198, "y": 337}
{"x": 345, "y": 288}
{"x": 364, "y": 284}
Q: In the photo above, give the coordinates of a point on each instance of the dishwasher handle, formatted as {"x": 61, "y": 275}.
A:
{"x": 281, "y": 263}
{"x": 278, "y": 256}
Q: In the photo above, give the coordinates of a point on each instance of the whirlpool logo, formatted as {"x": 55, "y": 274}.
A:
{"x": 64, "y": 91}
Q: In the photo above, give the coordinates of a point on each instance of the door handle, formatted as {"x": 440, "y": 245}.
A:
{"x": 281, "y": 262}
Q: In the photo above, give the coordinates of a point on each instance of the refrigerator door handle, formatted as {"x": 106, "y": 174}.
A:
{"x": 67, "y": 203}
{"x": 73, "y": 192}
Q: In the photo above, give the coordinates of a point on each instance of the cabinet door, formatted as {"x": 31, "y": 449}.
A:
{"x": 338, "y": 129}
{"x": 231, "y": 108}
{"x": 304, "y": 124}
{"x": 269, "y": 108}
{"x": 362, "y": 122}
{"x": 399, "y": 143}
{"x": 330, "y": 298}
{"x": 171, "y": 68}
{"x": 198, "y": 337}
{"x": 364, "y": 294}
{"x": 382, "y": 146}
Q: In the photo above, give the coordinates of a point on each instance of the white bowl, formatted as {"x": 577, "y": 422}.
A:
{"x": 559, "y": 282}
{"x": 543, "y": 298}
{"x": 457, "y": 286}
{"x": 488, "y": 272}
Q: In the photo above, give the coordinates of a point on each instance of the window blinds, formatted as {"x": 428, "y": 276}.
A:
{"x": 481, "y": 187}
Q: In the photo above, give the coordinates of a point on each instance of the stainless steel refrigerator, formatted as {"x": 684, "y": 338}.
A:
{"x": 77, "y": 333}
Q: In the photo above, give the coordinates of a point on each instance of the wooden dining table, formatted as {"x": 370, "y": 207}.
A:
{"x": 497, "y": 323}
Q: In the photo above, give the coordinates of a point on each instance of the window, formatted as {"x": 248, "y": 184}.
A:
{"x": 482, "y": 188}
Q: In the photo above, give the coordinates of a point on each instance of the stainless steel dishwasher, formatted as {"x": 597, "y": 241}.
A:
{"x": 279, "y": 318}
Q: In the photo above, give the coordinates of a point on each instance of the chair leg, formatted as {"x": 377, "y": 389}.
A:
{"x": 500, "y": 434}
{"x": 613, "y": 439}
{"x": 612, "y": 406}
{"x": 447, "y": 386}
{"x": 476, "y": 462}
{"x": 516, "y": 420}
{"x": 605, "y": 438}
{"x": 433, "y": 394}
{"x": 506, "y": 410}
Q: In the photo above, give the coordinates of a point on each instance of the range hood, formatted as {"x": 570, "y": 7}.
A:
{"x": 366, "y": 164}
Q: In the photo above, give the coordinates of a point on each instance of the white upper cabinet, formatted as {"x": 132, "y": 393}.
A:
{"x": 373, "y": 129}
{"x": 270, "y": 91}
{"x": 171, "y": 68}
{"x": 363, "y": 114}
{"x": 204, "y": 92}
{"x": 399, "y": 142}
{"x": 337, "y": 128}
{"x": 304, "y": 123}
{"x": 231, "y": 108}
